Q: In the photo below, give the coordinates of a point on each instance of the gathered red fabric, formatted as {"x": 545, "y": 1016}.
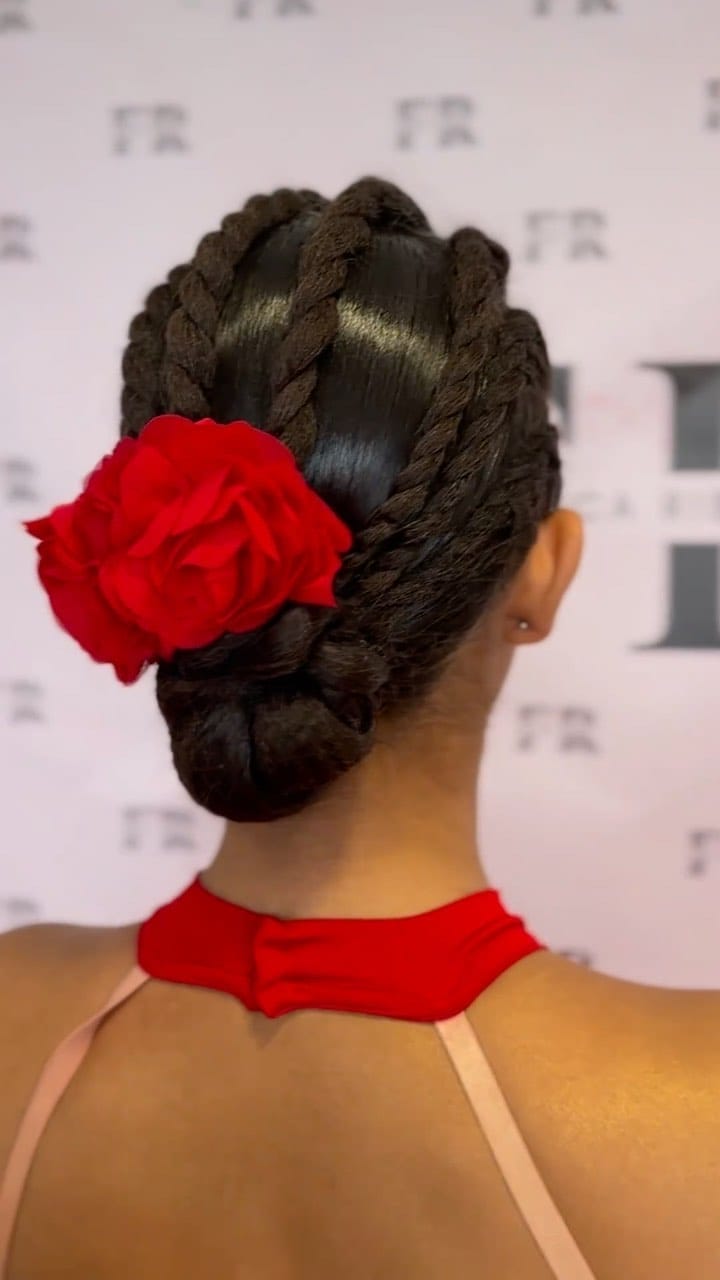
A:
{"x": 423, "y": 968}
{"x": 191, "y": 531}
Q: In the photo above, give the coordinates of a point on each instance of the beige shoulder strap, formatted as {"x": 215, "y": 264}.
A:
{"x": 532, "y": 1197}
{"x": 56, "y": 1075}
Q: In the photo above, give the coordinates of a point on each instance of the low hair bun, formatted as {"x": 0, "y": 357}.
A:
{"x": 260, "y": 723}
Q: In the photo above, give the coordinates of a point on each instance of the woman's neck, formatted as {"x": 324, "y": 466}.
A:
{"x": 395, "y": 836}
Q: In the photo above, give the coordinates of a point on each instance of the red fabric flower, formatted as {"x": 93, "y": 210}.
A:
{"x": 193, "y": 530}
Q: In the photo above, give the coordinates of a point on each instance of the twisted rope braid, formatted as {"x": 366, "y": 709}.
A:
{"x": 344, "y": 231}
{"x": 383, "y": 205}
{"x": 478, "y": 270}
{"x": 141, "y": 395}
{"x": 189, "y": 359}
{"x": 487, "y": 512}
{"x": 467, "y": 565}
{"x": 502, "y": 423}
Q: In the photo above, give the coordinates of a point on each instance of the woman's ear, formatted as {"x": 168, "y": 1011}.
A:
{"x": 538, "y": 588}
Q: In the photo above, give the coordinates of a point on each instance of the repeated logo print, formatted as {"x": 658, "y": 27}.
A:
{"x": 155, "y": 128}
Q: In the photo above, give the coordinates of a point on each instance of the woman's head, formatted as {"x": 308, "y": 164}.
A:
{"x": 415, "y": 401}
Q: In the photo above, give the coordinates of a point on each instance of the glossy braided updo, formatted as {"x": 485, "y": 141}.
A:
{"x": 415, "y": 401}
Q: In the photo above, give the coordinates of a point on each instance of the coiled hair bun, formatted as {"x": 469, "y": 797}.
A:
{"x": 258, "y": 724}
{"x": 415, "y": 402}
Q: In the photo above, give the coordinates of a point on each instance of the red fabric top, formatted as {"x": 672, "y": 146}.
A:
{"x": 423, "y": 968}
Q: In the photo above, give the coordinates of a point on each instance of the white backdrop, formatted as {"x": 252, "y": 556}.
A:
{"x": 585, "y": 134}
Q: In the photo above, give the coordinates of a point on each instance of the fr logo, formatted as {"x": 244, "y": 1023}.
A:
{"x": 23, "y": 702}
{"x": 704, "y": 849}
{"x": 575, "y": 234}
{"x": 447, "y": 121}
{"x": 17, "y": 911}
{"x": 18, "y": 478}
{"x": 14, "y": 16}
{"x": 280, "y": 8}
{"x": 147, "y": 828}
{"x": 15, "y": 232}
{"x": 567, "y": 729}
{"x": 159, "y": 128}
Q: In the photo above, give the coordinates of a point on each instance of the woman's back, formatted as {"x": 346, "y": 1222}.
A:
{"x": 199, "y": 1139}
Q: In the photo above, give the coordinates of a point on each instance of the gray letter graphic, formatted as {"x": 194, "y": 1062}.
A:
{"x": 694, "y": 568}
{"x": 696, "y": 415}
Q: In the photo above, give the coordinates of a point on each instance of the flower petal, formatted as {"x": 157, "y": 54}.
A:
{"x": 259, "y": 529}
{"x": 148, "y": 483}
{"x": 320, "y": 591}
{"x": 220, "y": 542}
{"x": 202, "y": 501}
{"x": 160, "y": 528}
{"x": 128, "y": 589}
{"x": 81, "y": 611}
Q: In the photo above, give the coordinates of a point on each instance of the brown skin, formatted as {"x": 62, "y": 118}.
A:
{"x": 398, "y": 834}
{"x": 198, "y": 1138}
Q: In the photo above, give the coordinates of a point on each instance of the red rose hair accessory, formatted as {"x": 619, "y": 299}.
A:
{"x": 192, "y": 530}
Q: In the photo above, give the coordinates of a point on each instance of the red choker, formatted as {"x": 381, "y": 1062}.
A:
{"x": 423, "y": 968}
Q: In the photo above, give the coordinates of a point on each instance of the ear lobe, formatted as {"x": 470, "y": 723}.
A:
{"x": 545, "y": 576}
{"x": 526, "y": 632}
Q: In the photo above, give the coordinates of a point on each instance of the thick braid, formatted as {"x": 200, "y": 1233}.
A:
{"x": 312, "y": 327}
{"x": 383, "y": 205}
{"x": 190, "y": 357}
{"x": 141, "y": 395}
{"x": 506, "y": 419}
{"x": 507, "y": 428}
{"x": 464, "y": 572}
{"x": 478, "y": 270}
{"x": 343, "y": 231}
{"x": 487, "y": 513}
{"x": 513, "y": 424}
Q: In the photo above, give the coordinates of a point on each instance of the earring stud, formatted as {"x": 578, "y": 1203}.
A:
{"x": 523, "y": 624}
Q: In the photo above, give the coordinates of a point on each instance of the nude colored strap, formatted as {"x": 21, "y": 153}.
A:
{"x": 532, "y": 1197}
{"x": 56, "y": 1075}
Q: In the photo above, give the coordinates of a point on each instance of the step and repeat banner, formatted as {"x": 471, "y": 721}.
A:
{"x": 584, "y": 134}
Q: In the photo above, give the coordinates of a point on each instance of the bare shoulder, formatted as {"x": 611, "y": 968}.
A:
{"x": 658, "y": 1118}
{"x": 44, "y": 965}
{"x": 616, "y": 1087}
{"x": 52, "y": 977}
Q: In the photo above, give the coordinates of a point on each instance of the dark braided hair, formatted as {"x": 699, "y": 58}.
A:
{"x": 415, "y": 400}
{"x": 344, "y": 232}
{"x": 141, "y": 393}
